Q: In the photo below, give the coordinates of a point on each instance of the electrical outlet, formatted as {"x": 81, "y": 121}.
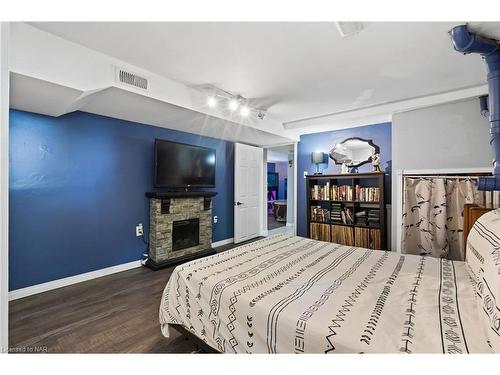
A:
{"x": 216, "y": 219}
{"x": 139, "y": 230}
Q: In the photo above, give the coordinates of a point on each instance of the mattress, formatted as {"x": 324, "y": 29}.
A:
{"x": 287, "y": 294}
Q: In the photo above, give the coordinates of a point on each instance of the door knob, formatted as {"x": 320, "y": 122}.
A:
{"x": 239, "y": 203}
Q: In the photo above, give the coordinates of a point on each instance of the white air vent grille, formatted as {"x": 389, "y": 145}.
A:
{"x": 132, "y": 79}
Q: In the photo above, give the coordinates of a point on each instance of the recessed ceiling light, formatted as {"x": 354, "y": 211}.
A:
{"x": 244, "y": 111}
{"x": 233, "y": 104}
{"x": 212, "y": 102}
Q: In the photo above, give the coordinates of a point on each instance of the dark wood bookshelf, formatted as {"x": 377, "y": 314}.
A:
{"x": 375, "y": 235}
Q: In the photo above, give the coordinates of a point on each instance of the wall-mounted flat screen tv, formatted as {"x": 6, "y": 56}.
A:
{"x": 178, "y": 165}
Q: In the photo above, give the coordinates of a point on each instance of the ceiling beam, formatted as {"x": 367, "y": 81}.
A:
{"x": 379, "y": 112}
{"x": 44, "y": 56}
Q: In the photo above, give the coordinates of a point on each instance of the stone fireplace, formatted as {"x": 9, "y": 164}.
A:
{"x": 180, "y": 227}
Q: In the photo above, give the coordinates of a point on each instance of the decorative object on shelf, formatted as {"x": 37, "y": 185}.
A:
{"x": 353, "y": 170}
{"x": 376, "y": 162}
{"x": 343, "y": 168}
{"x": 318, "y": 158}
{"x": 354, "y": 152}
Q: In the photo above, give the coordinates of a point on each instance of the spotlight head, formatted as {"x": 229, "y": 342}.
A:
{"x": 244, "y": 111}
{"x": 211, "y": 102}
{"x": 233, "y": 104}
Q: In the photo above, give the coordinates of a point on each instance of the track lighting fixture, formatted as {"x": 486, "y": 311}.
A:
{"x": 223, "y": 99}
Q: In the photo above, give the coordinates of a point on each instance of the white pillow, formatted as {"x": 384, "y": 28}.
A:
{"x": 483, "y": 263}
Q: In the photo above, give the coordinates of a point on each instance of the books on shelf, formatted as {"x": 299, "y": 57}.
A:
{"x": 319, "y": 214}
{"x": 341, "y": 193}
{"x": 369, "y": 194}
{"x": 362, "y": 237}
{"x": 320, "y": 232}
{"x": 367, "y": 237}
{"x": 342, "y": 235}
{"x": 332, "y": 192}
{"x": 341, "y": 214}
{"x": 368, "y": 217}
{"x": 321, "y": 192}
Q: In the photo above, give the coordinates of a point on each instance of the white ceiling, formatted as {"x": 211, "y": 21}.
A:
{"x": 297, "y": 70}
{"x": 35, "y": 95}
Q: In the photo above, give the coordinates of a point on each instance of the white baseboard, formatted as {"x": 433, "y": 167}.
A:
{"x": 39, "y": 288}
{"x": 222, "y": 242}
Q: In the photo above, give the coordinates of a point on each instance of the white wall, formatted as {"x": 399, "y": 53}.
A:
{"x": 447, "y": 136}
{"x": 4, "y": 189}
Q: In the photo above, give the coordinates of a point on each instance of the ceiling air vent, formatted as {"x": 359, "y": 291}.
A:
{"x": 132, "y": 79}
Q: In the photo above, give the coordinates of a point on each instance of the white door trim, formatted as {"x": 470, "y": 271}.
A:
{"x": 4, "y": 186}
{"x": 295, "y": 186}
{"x": 397, "y": 215}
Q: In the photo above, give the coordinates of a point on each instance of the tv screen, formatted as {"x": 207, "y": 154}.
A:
{"x": 180, "y": 165}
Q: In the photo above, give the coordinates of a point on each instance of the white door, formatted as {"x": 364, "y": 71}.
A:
{"x": 248, "y": 191}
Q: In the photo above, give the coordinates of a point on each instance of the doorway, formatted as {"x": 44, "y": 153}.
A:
{"x": 279, "y": 188}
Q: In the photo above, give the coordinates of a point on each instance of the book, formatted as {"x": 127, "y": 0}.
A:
{"x": 319, "y": 214}
{"x": 342, "y": 235}
{"x": 320, "y": 232}
{"x": 369, "y": 194}
{"x": 368, "y": 238}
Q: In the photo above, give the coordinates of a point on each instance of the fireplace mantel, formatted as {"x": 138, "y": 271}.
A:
{"x": 180, "y": 194}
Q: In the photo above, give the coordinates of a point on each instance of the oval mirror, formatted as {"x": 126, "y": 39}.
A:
{"x": 354, "y": 151}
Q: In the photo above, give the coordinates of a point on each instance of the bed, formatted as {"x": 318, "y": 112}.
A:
{"x": 287, "y": 294}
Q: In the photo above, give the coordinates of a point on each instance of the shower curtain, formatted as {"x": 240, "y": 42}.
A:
{"x": 433, "y": 216}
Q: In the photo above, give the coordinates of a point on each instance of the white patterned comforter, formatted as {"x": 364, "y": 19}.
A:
{"x": 293, "y": 295}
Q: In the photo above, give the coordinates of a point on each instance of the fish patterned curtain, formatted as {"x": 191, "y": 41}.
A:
{"x": 433, "y": 216}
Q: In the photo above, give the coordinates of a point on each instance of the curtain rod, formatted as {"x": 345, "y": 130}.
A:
{"x": 443, "y": 176}
{"x": 465, "y": 174}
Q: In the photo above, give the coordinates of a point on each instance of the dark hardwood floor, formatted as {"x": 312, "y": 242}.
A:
{"x": 112, "y": 314}
{"x": 272, "y": 223}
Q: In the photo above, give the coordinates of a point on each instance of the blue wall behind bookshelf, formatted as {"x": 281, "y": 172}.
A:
{"x": 77, "y": 185}
{"x": 380, "y": 134}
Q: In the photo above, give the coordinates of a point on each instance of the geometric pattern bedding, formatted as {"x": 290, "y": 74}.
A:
{"x": 286, "y": 294}
{"x": 483, "y": 264}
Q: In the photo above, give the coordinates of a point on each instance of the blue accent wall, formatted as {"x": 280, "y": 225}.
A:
{"x": 381, "y": 135}
{"x": 77, "y": 185}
